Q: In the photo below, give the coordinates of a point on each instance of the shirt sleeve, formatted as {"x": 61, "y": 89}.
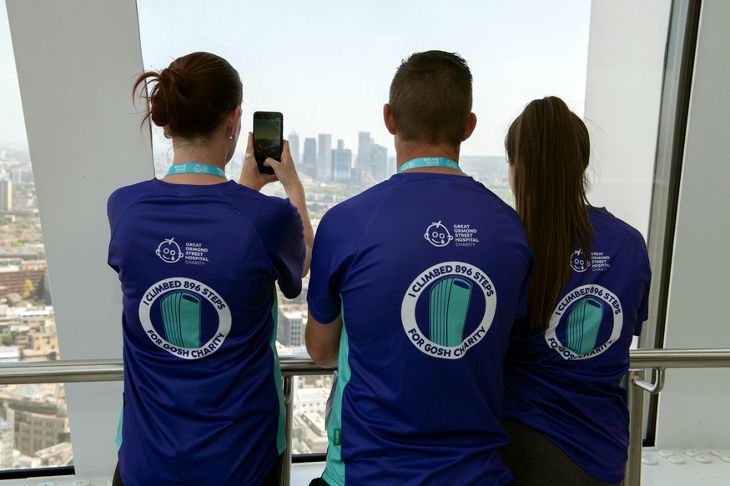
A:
{"x": 332, "y": 254}
{"x": 283, "y": 240}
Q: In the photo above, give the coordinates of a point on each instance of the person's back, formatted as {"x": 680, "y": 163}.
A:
{"x": 199, "y": 327}
{"x": 566, "y": 382}
{"x": 425, "y": 273}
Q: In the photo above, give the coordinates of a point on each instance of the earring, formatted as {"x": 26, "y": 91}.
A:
{"x": 232, "y": 137}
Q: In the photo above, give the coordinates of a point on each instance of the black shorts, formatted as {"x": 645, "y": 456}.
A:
{"x": 534, "y": 459}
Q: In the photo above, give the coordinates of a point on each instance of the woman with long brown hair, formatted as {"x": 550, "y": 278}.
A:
{"x": 565, "y": 408}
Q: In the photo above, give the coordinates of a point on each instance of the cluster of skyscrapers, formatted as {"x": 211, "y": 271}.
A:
{"x": 324, "y": 163}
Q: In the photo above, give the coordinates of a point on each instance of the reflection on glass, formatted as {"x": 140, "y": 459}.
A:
{"x": 34, "y": 429}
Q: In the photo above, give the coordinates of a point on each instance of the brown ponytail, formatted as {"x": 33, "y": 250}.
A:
{"x": 548, "y": 148}
{"x": 192, "y": 96}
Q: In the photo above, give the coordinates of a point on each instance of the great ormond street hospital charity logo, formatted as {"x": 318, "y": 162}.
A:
{"x": 185, "y": 317}
{"x": 169, "y": 251}
{"x": 448, "y": 309}
{"x": 578, "y": 262}
{"x": 438, "y": 235}
{"x": 585, "y": 323}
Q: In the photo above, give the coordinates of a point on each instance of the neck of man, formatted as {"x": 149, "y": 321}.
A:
{"x": 406, "y": 151}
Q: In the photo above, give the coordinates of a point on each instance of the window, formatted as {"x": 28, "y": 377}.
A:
{"x": 27, "y": 323}
{"x": 308, "y": 61}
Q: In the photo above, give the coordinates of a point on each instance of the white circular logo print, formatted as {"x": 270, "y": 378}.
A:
{"x": 438, "y": 235}
{"x": 169, "y": 251}
{"x": 448, "y": 309}
{"x": 578, "y": 261}
{"x": 185, "y": 317}
{"x": 585, "y": 323}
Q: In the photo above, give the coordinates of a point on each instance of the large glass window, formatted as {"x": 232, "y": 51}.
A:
{"x": 34, "y": 428}
{"x": 327, "y": 66}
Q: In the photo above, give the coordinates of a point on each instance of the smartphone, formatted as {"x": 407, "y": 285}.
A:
{"x": 268, "y": 138}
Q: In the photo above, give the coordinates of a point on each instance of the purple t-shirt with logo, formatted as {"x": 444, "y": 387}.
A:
{"x": 198, "y": 265}
{"x": 565, "y": 382}
{"x": 429, "y": 272}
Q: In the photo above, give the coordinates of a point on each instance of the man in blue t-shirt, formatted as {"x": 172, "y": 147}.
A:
{"x": 415, "y": 285}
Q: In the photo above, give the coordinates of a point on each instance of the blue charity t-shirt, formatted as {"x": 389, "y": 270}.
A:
{"x": 429, "y": 272}
{"x": 198, "y": 265}
{"x": 565, "y": 382}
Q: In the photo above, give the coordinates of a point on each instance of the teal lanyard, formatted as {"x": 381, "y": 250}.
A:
{"x": 196, "y": 169}
{"x": 429, "y": 162}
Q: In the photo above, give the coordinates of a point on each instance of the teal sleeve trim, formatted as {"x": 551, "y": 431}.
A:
{"x": 335, "y": 472}
{"x": 118, "y": 438}
{"x": 281, "y": 432}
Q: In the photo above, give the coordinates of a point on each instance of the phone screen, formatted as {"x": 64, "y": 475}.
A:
{"x": 267, "y": 138}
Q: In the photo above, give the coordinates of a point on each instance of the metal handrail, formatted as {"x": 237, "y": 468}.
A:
{"x": 93, "y": 370}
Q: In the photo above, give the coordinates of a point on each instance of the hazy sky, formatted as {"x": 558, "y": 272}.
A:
{"x": 327, "y": 65}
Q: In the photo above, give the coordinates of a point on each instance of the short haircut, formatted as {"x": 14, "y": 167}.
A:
{"x": 192, "y": 96}
{"x": 431, "y": 98}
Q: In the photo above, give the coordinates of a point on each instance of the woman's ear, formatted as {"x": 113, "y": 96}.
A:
{"x": 234, "y": 120}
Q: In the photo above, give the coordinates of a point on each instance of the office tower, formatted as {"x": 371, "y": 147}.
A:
{"x": 17, "y": 176}
{"x": 324, "y": 158}
{"x": 294, "y": 146}
{"x": 291, "y": 326}
{"x": 379, "y": 162}
{"x": 309, "y": 157}
{"x": 6, "y": 195}
{"x": 363, "y": 153}
{"x": 341, "y": 162}
{"x": 391, "y": 166}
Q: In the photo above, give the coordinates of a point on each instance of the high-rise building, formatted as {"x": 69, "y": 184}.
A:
{"x": 363, "y": 152}
{"x": 324, "y": 158}
{"x": 290, "y": 331}
{"x": 379, "y": 162}
{"x": 341, "y": 162}
{"x": 294, "y": 146}
{"x": 309, "y": 157}
{"x": 6, "y": 195}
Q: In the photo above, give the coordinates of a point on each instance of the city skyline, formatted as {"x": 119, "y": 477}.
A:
{"x": 318, "y": 71}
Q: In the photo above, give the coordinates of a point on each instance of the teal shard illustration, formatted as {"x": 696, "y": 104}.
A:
{"x": 584, "y": 322}
{"x": 181, "y": 317}
{"x": 449, "y": 303}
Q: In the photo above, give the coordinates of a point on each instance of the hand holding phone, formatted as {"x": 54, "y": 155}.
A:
{"x": 268, "y": 138}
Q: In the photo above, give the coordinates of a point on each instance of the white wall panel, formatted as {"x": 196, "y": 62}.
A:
{"x": 693, "y": 407}
{"x": 623, "y": 91}
{"x": 76, "y": 60}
